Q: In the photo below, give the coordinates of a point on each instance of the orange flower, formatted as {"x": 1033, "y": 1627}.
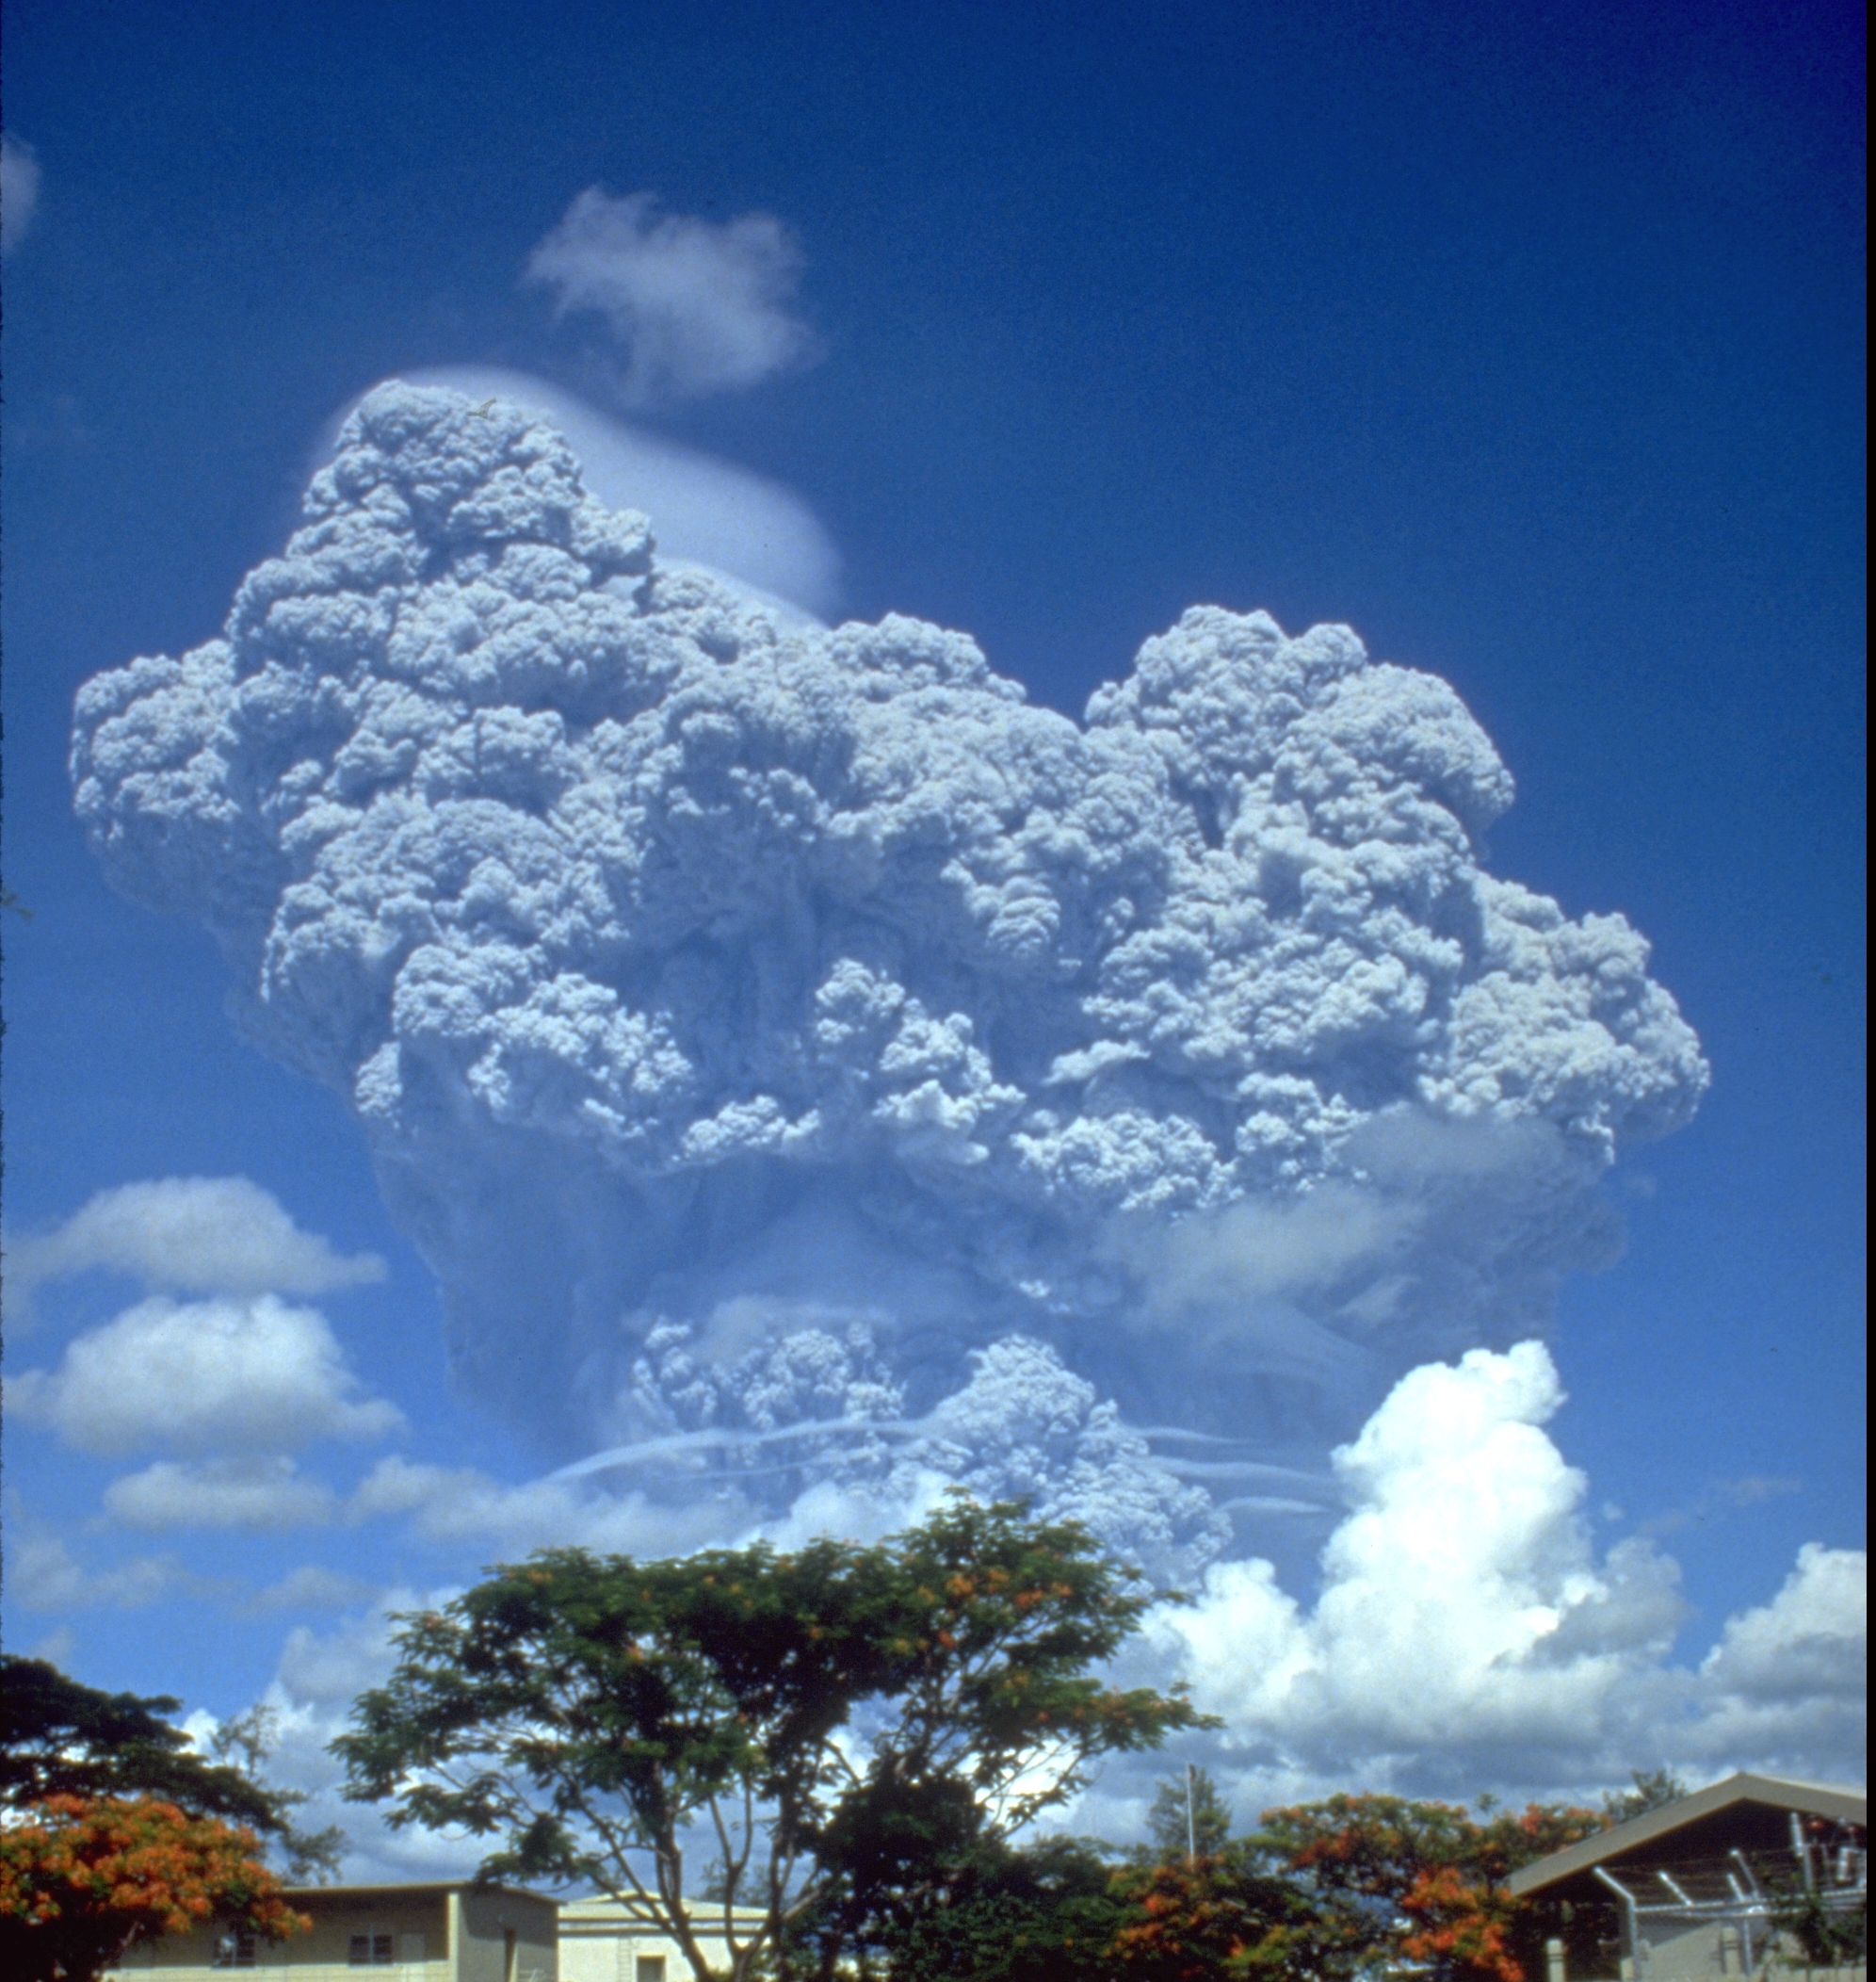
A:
{"x": 99, "y": 1875}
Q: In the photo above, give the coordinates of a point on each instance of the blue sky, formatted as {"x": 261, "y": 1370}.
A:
{"x": 1534, "y": 354}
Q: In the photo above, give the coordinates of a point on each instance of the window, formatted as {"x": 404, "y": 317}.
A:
{"x": 370, "y": 1951}
{"x": 651, "y": 1968}
{"x": 235, "y": 1949}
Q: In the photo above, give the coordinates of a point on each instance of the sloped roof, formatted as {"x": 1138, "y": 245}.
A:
{"x": 605, "y": 1911}
{"x": 1809, "y": 1799}
{"x": 414, "y": 1888}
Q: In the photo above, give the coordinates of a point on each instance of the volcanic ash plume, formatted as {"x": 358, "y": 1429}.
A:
{"x": 694, "y": 970}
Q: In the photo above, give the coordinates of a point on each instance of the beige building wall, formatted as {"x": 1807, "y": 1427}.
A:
{"x": 599, "y": 1941}
{"x": 426, "y": 1933}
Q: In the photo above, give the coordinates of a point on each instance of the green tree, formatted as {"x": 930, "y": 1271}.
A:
{"x": 841, "y": 1723}
{"x": 1820, "y": 1929}
{"x": 244, "y": 1742}
{"x": 59, "y": 1737}
{"x": 1168, "y": 1834}
{"x": 1044, "y": 1913}
{"x": 1654, "y": 1789}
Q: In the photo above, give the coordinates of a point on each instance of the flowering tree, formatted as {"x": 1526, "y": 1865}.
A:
{"x": 83, "y": 1879}
{"x": 59, "y": 1737}
{"x": 843, "y": 1723}
{"x": 1388, "y": 1878}
{"x": 1195, "y": 1919}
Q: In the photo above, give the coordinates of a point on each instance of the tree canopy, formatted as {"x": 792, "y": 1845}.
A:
{"x": 860, "y": 1736}
{"x": 1188, "y": 1815}
{"x": 1653, "y": 1789}
{"x": 1389, "y": 1878}
{"x": 59, "y": 1737}
{"x": 1045, "y": 1912}
{"x": 84, "y": 1878}
{"x": 844, "y": 1721}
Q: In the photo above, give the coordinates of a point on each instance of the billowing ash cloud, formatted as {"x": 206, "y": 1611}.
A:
{"x": 811, "y": 1423}
{"x": 691, "y": 969}
{"x": 710, "y": 511}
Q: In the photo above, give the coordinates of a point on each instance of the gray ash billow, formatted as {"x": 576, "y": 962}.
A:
{"x": 693, "y": 968}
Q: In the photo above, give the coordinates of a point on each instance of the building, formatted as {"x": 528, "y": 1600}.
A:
{"x": 601, "y": 1942}
{"x": 445, "y": 1931}
{"x": 1691, "y": 1884}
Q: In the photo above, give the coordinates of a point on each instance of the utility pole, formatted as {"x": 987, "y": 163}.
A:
{"x": 1191, "y": 1824}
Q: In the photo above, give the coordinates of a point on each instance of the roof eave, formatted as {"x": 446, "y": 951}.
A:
{"x": 1815, "y": 1800}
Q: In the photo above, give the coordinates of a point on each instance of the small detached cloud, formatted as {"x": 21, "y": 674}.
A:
{"x": 19, "y": 191}
{"x": 1721, "y": 1498}
{"x": 212, "y": 1235}
{"x": 311, "y": 1587}
{"x": 262, "y": 1493}
{"x": 42, "y": 1574}
{"x": 204, "y": 1376}
{"x": 698, "y": 306}
{"x": 456, "y": 1504}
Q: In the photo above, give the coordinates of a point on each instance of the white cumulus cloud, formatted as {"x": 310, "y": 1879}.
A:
{"x": 1467, "y": 1631}
{"x": 329, "y": 1670}
{"x": 1789, "y": 1681}
{"x": 216, "y": 1235}
{"x": 254, "y": 1376}
{"x": 697, "y": 306}
{"x": 19, "y": 190}
{"x": 1807, "y": 1641}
